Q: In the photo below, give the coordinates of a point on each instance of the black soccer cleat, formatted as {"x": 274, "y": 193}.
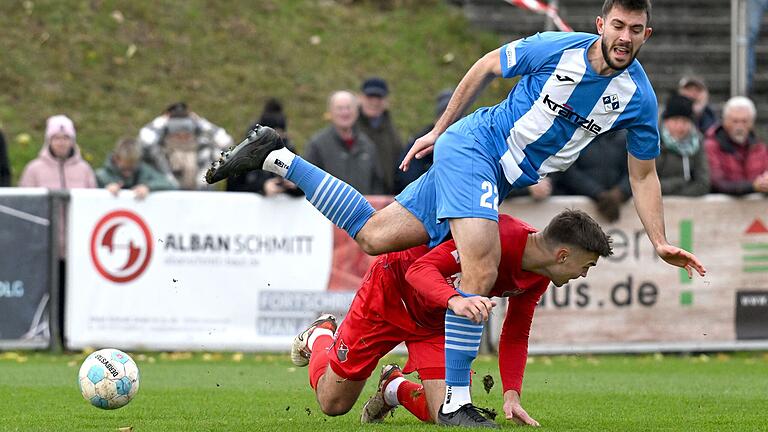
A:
{"x": 249, "y": 155}
{"x": 466, "y": 416}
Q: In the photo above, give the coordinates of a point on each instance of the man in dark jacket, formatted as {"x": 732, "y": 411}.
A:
{"x": 375, "y": 121}
{"x": 342, "y": 150}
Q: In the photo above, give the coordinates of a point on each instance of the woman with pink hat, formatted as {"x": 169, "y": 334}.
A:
{"x": 59, "y": 164}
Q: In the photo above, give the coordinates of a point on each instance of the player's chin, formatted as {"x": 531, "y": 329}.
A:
{"x": 620, "y": 63}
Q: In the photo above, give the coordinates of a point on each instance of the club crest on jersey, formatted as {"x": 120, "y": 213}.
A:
{"x": 341, "y": 351}
{"x": 611, "y": 102}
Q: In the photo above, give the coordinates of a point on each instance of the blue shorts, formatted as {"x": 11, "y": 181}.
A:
{"x": 465, "y": 181}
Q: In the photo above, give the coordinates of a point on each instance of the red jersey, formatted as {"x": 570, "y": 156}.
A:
{"x": 431, "y": 280}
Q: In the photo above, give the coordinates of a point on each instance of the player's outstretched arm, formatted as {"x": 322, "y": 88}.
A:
{"x": 514, "y": 411}
{"x": 646, "y": 190}
{"x": 477, "y": 77}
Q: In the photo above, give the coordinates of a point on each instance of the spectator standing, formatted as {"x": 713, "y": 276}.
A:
{"x": 182, "y": 145}
{"x": 342, "y": 150}
{"x": 264, "y": 182}
{"x": 600, "y": 173}
{"x": 376, "y": 122}
{"x": 124, "y": 169}
{"x": 59, "y": 166}
{"x": 696, "y": 90}
{"x": 682, "y": 164}
{"x": 5, "y": 166}
{"x": 738, "y": 160}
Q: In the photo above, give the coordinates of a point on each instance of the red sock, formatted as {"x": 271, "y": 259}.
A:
{"x": 411, "y": 396}
{"x": 318, "y": 363}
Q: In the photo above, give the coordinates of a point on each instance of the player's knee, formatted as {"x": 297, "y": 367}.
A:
{"x": 371, "y": 242}
{"x": 335, "y": 406}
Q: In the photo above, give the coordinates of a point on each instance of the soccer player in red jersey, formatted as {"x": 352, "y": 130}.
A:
{"x": 403, "y": 298}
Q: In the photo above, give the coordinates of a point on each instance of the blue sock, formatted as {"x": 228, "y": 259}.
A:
{"x": 462, "y": 342}
{"x": 338, "y": 201}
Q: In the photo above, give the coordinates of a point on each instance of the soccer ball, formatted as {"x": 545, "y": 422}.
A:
{"x": 108, "y": 378}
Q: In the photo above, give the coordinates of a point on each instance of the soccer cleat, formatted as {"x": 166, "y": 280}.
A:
{"x": 376, "y": 409}
{"x": 300, "y": 352}
{"x": 466, "y": 416}
{"x": 249, "y": 155}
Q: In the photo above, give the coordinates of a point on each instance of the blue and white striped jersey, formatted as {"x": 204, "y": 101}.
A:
{"x": 560, "y": 105}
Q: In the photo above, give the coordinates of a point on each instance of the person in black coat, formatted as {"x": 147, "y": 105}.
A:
{"x": 5, "y": 166}
{"x": 264, "y": 182}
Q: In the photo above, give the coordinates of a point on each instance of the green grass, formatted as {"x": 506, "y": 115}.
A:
{"x": 217, "y": 392}
{"x": 114, "y": 65}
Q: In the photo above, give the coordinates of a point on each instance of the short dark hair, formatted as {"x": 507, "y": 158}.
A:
{"x": 630, "y": 5}
{"x": 577, "y": 228}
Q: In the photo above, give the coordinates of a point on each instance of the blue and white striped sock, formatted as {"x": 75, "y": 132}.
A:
{"x": 338, "y": 201}
{"x": 462, "y": 342}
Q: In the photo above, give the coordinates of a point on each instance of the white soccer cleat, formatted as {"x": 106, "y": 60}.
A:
{"x": 376, "y": 409}
{"x": 300, "y": 352}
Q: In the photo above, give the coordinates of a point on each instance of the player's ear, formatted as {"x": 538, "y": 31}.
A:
{"x": 599, "y": 23}
{"x": 648, "y": 32}
{"x": 562, "y": 255}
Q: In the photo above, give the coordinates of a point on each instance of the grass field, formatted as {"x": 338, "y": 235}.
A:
{"x": 247, "y": 392}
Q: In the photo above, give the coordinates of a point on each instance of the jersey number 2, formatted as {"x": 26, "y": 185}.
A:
{"x": 490, "y": 197}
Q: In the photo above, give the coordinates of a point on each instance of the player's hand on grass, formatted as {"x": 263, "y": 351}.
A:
{"x": 681, "y": 258}
{"x": 514, "y": 411}
{"x": 476, "y": 308}
{"x": 421, "y": 147}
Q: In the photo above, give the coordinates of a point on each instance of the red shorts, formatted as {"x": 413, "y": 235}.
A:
{"x": 376, "y": 323}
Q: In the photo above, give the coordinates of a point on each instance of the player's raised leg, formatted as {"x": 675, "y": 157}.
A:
{"x": 393, "y": 228}
{"x": 335, "y": 395}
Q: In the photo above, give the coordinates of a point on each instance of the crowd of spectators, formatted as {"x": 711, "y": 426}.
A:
{"x": 361, "y": 145}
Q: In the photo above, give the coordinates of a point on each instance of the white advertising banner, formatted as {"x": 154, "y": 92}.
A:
{"x": 633, "y": 301}
{"x": 233, "y": 271}
{"x": 185, "y": 270}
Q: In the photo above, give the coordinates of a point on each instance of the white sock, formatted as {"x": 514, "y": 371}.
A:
{"x": 455, "y": 397}
{"x": 278, "y": 161}
{"x": 390, "y": 392}
{"x": 317, "y": 333}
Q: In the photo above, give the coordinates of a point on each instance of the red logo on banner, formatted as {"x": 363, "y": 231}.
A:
{"x": 121, "y": 246}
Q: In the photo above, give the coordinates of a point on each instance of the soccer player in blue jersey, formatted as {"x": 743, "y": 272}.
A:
{"x": 573, "y": 87}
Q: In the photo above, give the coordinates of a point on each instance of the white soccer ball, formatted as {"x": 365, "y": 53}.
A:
{"x": 108, "y": 378}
